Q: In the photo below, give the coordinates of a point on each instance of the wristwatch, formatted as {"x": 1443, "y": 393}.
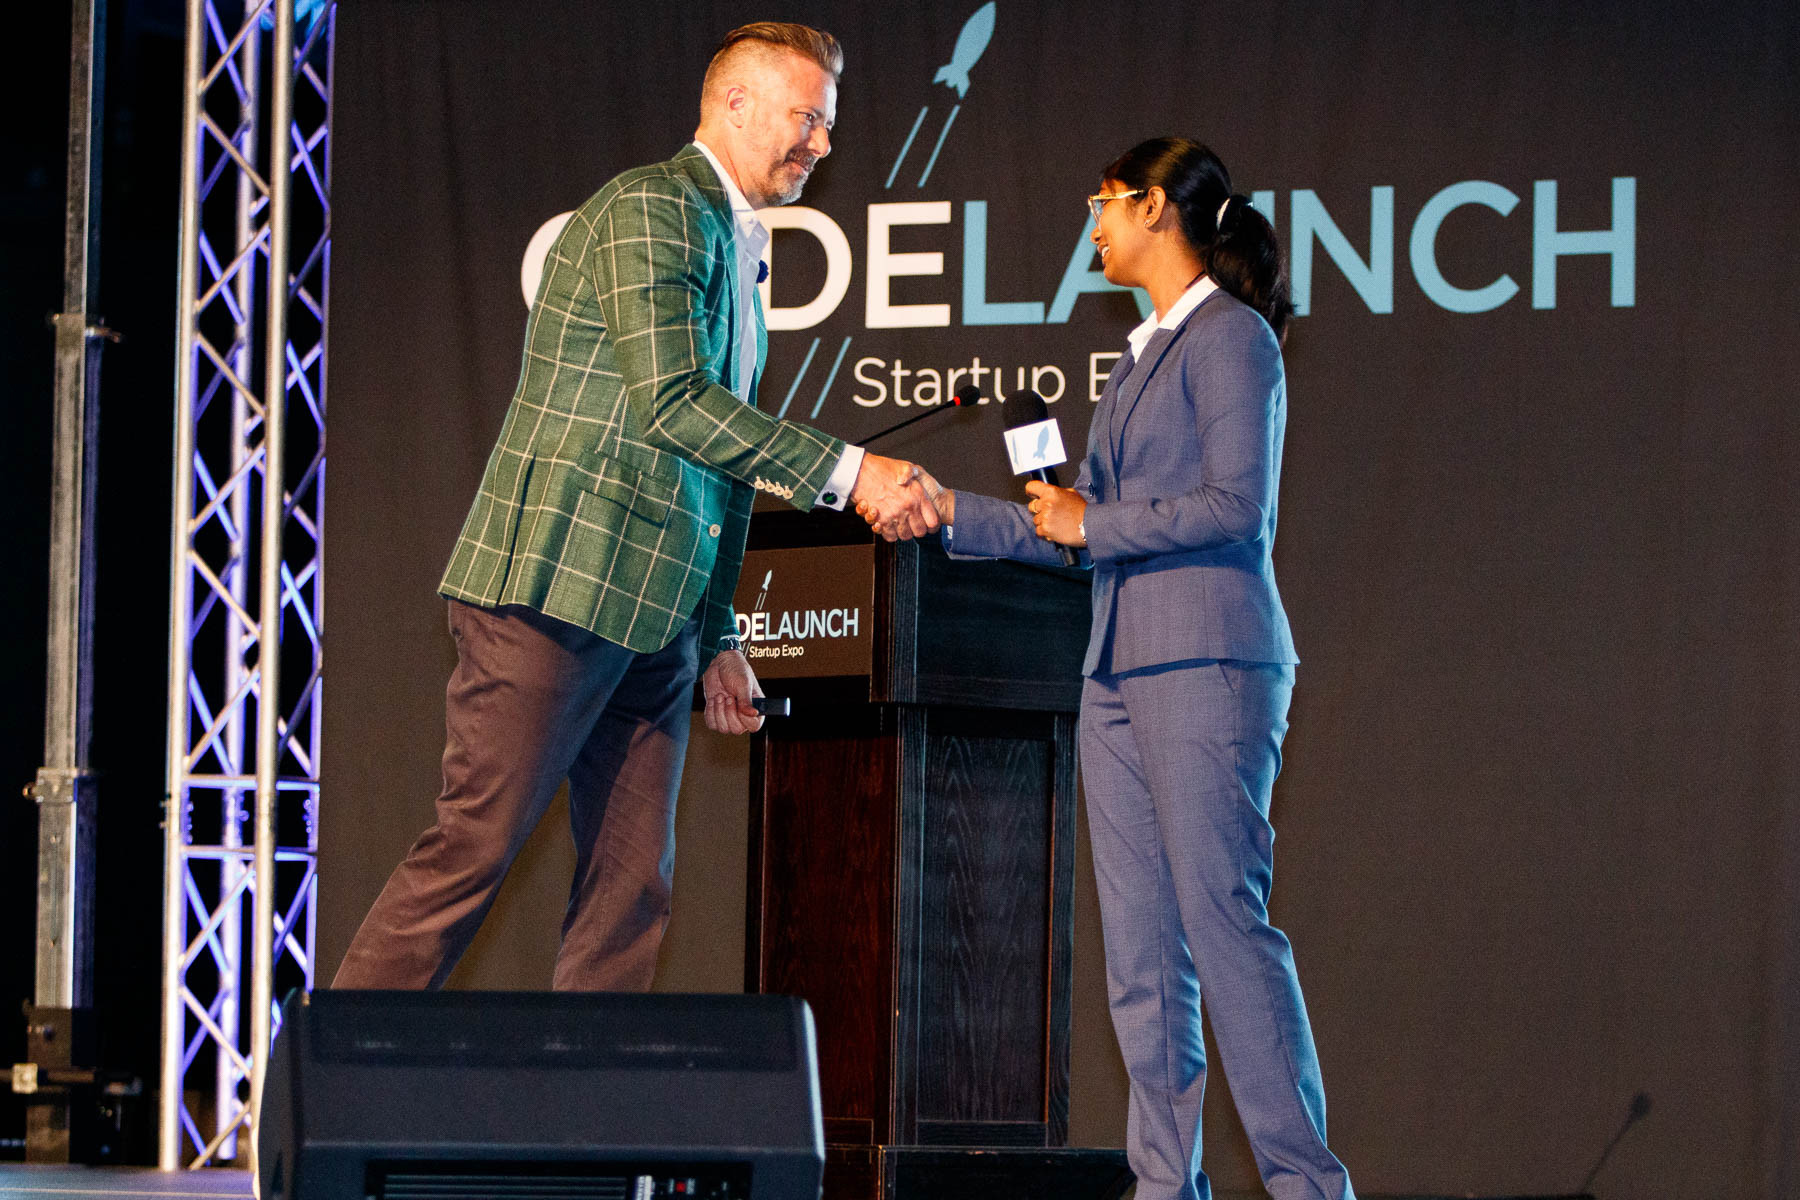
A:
{"x": 731, "y": 641}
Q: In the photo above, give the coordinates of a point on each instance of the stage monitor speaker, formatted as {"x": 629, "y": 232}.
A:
{"x": 584, "y": 1096}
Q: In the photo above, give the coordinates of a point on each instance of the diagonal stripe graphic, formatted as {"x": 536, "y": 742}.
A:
{"x": 830, "y": 379}
{"x": 798, "y": 376}
{"x": 908, "y": 146}
{"x": 948, "y": 122}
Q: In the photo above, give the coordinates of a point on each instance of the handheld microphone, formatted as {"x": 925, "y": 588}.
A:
{"x": 1034, "y": 445}
{"x": 967, "y": 394}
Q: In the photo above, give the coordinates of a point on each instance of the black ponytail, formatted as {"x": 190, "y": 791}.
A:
{"x": 1236, "y": 244}
{"x": 1245, "y": 260}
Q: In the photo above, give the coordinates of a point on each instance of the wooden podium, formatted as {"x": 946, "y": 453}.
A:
{"x": 912, "y": 847}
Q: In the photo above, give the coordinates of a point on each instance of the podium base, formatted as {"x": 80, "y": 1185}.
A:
{"x": 963, "y": 1173}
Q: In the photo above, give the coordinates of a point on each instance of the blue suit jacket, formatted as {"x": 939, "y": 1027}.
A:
{"x": 1181, "y": 473}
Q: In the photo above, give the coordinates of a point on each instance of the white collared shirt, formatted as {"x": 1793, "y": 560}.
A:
{"x": 752, "y": 241}
{"x": 1178, "y": 312}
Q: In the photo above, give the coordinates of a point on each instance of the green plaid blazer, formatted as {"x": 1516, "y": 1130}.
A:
{"x": 618, "y": 495}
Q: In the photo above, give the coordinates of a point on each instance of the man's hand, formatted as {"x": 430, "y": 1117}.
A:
{"x": 1057, "y": 513}
{"x": 729, "y": 684}
{"x": 889, "y": 497}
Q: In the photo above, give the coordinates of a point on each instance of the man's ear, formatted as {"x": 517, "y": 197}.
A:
{"x": 737, "y": 104}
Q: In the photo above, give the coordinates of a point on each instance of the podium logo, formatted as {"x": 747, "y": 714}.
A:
{"x": 800, "y": 610}
{"x": 783, "y": 633}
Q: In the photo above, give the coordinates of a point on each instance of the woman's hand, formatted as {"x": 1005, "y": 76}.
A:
{"x": 942, "y": 498}
{"x": 1057, "y": 513}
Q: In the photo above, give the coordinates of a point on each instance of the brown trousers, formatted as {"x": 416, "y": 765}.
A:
{"x": 533, "y": 701}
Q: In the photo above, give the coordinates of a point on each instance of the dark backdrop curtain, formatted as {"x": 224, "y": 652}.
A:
{"x": 1539, "y": 822}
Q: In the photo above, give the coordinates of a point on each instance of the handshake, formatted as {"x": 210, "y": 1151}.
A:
{"x": 900, "y": 500}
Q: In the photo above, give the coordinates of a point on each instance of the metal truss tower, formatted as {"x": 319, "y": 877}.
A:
{"x": 247, "y": 589}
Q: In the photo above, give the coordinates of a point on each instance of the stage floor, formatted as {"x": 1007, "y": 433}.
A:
{"x": 21, "y": 1182}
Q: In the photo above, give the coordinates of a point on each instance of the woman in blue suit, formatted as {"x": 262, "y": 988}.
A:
{"x": 1188, "y": 672}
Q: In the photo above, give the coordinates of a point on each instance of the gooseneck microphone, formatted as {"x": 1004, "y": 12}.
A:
{"x": 1034, "y": 445}
{"x": 967, "y": 394}
{"x": 1640, "y": 1108}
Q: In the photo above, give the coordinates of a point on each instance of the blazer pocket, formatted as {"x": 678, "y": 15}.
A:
{"x": 643, "y": 495}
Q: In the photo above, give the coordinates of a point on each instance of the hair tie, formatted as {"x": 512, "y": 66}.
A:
{"x": 1219, "y": 217}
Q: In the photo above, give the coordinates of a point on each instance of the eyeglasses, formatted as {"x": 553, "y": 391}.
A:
{"x": 1098, "y": 200}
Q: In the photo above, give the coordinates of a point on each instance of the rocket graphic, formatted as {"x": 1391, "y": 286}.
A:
{"x": 1043, "y": 446}
{"x": 970, "y": 44}
{"x": 764, "y": 594}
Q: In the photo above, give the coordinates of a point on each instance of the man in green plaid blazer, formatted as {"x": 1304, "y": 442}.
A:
{"x": 598, "y": 562}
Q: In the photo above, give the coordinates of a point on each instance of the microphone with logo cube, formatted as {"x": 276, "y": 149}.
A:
{"x": 1034, "y": 445}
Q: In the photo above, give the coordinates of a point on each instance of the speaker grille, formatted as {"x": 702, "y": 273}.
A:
{"x": 445, "y": 1185}
{"x": 556, "y": 1180}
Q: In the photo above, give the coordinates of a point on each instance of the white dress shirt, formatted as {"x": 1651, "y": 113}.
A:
{"x": 1178, "y": 312}
{"x": 752, "y": 241}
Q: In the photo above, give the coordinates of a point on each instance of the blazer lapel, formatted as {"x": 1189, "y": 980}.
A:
{"x": 732, "y": 349}
{"x": 762, "y": 348}
{"x": 1100, "y": 442}
{"x": 1155, "y": 350}
{"x": 706, "y": 179}
{"x": 1137, "y": 381}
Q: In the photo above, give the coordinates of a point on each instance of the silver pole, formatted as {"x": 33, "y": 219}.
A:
{"x": 63, "y": 789}
{"x": 64, "y": 784}
{"x": 181, "y": 600}
{"x": 274, "y": 514}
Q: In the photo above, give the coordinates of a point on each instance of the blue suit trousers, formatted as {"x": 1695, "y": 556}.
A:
{"x": 1179, "y": 761}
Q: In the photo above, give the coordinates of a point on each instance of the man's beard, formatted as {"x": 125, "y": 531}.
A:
{"x": 784, "y": 190}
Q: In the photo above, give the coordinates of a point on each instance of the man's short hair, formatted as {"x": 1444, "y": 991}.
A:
{"x": 758, "y": 37}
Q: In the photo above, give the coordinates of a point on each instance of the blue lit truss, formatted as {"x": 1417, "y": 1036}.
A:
{"x": 240, "y": 891}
